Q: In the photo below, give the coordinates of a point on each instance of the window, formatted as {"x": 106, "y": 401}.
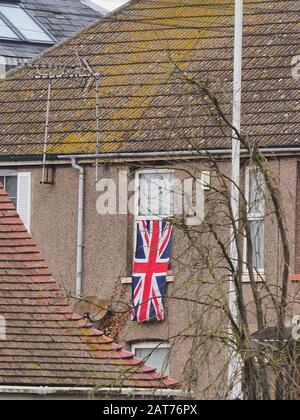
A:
{"x": 155, "y": 194}
{"x": 10, "y": 183}
{"x": 18, "y": 187}
{"x": 6, "y": 32}
{"x": 255, "y": 195}
{"x": 8, "y": 63}
{"x": 154, "y": 354}
{"x": 206, "y": 180}
{"x": 16, "y": 23}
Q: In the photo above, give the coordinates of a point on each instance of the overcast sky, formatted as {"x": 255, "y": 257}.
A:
{"x": 110, "y": 4}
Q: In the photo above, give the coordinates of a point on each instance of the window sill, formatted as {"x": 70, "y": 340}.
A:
{"x": 128, "y": 280}
{"x": 259, "y": 278}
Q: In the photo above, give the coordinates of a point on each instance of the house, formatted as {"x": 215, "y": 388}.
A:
{"x": 151, "y": 123}
{"x": 46, "y": 351}
{"x": 29, "y": 27}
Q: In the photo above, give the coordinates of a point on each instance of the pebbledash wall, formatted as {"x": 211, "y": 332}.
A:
{"x": 108, "y": 247}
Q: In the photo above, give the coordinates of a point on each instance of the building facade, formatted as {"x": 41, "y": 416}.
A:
{"x": 153, "y": 123}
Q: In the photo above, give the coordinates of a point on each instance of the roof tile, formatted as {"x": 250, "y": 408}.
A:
{"x": 46, "y": 344}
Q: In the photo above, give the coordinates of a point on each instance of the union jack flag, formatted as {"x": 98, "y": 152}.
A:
{"x": 151, "y": 265}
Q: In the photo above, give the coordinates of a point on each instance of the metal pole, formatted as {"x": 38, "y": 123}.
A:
{"x": 234, "y": 374}
{"x": 66, "y": 74}
{"x": 46, "y": 130}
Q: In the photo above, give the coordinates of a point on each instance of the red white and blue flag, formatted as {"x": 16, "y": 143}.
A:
{"x": 151, "y": 265}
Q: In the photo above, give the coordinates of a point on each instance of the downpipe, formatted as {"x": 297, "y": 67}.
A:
{"x": 79, "y": 252}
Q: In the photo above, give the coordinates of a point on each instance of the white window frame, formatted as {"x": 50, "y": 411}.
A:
{"x": 206, "y": 180}
{"x": 137, "y": 217}
{"x": 10, "y": 172}
{"x": 255, "y": 217}
{"x": 152, "y": 345}
{"x": 137, "y": 193}
{"x": 27, "y": 208}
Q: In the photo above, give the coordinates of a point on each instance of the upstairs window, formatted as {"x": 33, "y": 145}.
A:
{"x": 155, "y": 194}
{"x": 18, "y": 188}
{"x": 255, "y": 194}
{"x": 10, "y": 183}
{"x": 16, "y": 23}
{"x": 154, "y": 354}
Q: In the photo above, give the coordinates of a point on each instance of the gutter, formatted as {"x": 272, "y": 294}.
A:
{"x": 126, "y": 392}
{"x": 13, "y": 160}
{"x": 79, "y": 252}
{"x": 184, "y": 153}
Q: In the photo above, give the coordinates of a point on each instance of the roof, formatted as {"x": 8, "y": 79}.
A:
{"x": 46, "y": 344}
{"x": 61, "y": 18}
{"x": 145, "y": 105}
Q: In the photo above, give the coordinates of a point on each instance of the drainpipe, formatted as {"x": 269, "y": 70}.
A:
{"x": 79, "y": 228}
